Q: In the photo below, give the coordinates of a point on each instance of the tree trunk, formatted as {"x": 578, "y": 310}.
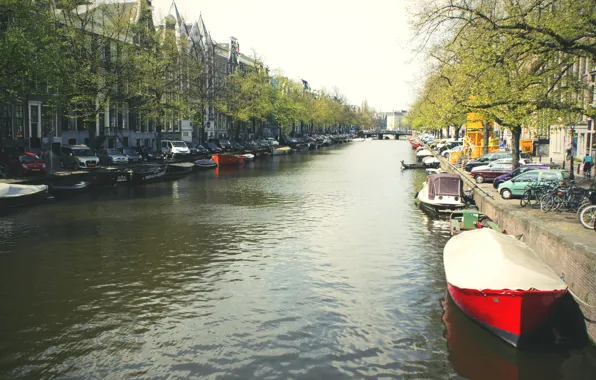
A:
{"x": 485, "y": 133}
{"x": 515, "y": 135}
{"x": 456, "y": 133}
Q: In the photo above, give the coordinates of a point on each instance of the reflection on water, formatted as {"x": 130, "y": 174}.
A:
{"x": 314, "y": 265}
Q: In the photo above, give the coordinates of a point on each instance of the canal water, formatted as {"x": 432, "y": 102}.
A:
{"x": 312, "y": 266}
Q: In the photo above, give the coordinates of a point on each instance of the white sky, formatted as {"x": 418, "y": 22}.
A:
{"x": 360, "y": 46}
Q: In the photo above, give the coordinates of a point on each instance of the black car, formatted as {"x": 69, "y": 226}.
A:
{"x": 150, "y": 154}
{"x": 132, "y": 154}
{"x": 225, "y": 144}
{"x": 238, "y": 146}
{"x": 213, "y": 148}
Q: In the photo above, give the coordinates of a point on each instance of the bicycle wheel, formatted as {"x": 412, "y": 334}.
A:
{"x": 525, "y": 199}
{"x": 578, "y": 201}
{"x": 581, "y": 207}
{"x": 587, "y": 217}
{"x": 547, "y": 202}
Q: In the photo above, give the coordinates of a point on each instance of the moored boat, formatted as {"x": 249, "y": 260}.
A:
{"x": 147, "y": 173}
{"x": 228, "y": 160}
{"x": 69, "y": 188}
{"x": 412, "y": 166}
{"x": 248, "y": 156}
{"x": 12, "y": 195}
{"x": 358, "y": 139}
{"x": 501, "y": 283}
{"x": 441, "y": 193}
{"x": 422, "y": 153}
{"x": 467, "y": 220}
{"x": 205, "y": 164}
{"x": 178, "y": 170}
{"x": 431, "y": 162}
{"x": 281, "y": 150}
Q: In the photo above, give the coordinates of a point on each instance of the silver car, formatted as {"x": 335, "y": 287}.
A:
{"x": 112, "y": 157}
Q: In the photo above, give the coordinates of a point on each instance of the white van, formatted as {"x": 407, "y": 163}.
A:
{"x": 174, "y": 148}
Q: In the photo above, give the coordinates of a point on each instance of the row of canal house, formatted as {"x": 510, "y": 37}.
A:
{"x": 33, "y": 124}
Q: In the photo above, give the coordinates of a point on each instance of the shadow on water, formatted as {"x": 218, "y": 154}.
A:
{"x": 475, "y": 353}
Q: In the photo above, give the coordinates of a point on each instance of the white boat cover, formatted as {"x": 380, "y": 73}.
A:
{"x": 429, "y": 160}
{"x": 423, "y": 152}
{"x": 12, "y": 190}
{"x": 248, "y": 156}
{"x": 486, "y": 259}
{"x": 358, "y": 139}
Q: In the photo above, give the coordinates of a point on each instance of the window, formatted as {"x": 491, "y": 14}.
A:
{"x": 527, "y": 177}
{"x": 19, "y": 122}
{"x": 549, "y": 176}
{"x": 5, "y": 122}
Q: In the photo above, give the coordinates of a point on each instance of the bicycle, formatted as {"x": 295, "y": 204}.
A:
{"x": 572, "y": 197}
{"x": 587, "y": 170}
{"x": 587, "y": 216}
{"x": 534, "y": 192}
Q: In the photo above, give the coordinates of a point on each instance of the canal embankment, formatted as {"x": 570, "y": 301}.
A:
{"x": 559, "y": 239}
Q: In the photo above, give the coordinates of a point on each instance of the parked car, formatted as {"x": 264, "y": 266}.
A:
{"x": 447, "y": 152}
{"x": 192, "y": 148}
{"x": 112, "y": 157}
{"x": 271, "y": 141}
{"x": 26, "y": 164}
{"x": 487, "y": 158}
{"x": 213, "y": 148}
{"x": 78, "y": 157}
{"x": 516, "y": 186}
{"x": 150, "y": 154}
{"x": 238, "y": 146}
{"x": 224, "y": 144}
{"x": 522, "y": 169}
{"x": 489, "y": 173}
{"x": 500, "y": 161}
{"x": 132, "y": 154}
{"x": 450, "y": 145}
{"x": 174, "y": 148}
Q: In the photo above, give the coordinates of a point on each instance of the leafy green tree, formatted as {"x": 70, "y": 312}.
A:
{"x": 31, "y": 52}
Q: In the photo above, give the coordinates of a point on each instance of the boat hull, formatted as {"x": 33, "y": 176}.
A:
{"x": 446, "y": 209}
{"x": 228, "y": 160}
{"x": 178, "y": 171}
{"x": 512, "y": 315}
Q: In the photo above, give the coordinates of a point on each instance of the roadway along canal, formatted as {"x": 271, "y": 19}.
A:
{"x": 315, "y": 265}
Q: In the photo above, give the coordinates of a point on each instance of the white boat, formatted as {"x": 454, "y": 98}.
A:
{"x": 358, "y": 139}
{"x": 369, "y": 139}
{"x": 433, "y": 171}
{"x": 431, "y": 162}
{"x": 12, "y": 195}
{"x": 441, "y": 193}
{"x": 501, "y": 283}
{"x": 423, "y": 153}
{"x": 248, "y": 156}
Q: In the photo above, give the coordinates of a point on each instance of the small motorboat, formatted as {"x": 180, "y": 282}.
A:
{"x": 431, "y": 162}
{"x": 358, "y": 139}
{"x": 412, "y": 166}
{"x": 178, "y": 170}
{"x": 369, "y": 139}
{"x": 429, "y": 171}
{"x": 69, "y": 188}
{"x": 205, "y": 164}
{"x": 12, "y": 195}
{"x": 501, "y": 283}
{"x": 423, "y": 153}
{"x": 248, "y": 156}
{"x": 228, "y": 160}
{"x": 441, "y": 193}
{"x": 467, "y": 220}
{"x": 147, "y": 173}
{"x": 281, "y": 150}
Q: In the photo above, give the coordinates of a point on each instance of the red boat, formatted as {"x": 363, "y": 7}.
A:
{"x": 228, "y": 160}
{"x": 501, "y": 283}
